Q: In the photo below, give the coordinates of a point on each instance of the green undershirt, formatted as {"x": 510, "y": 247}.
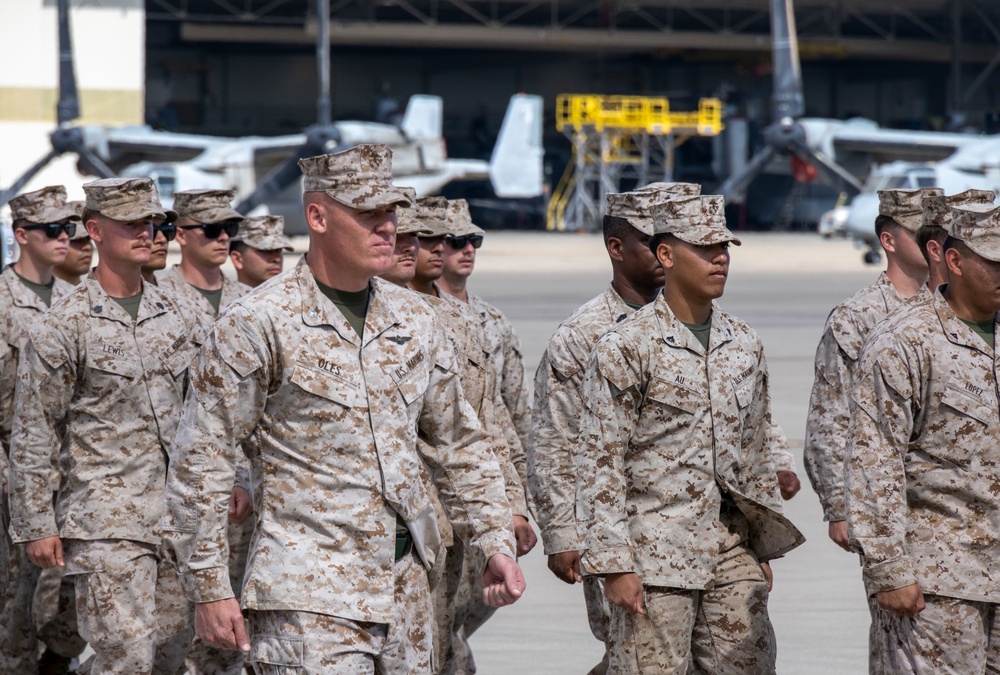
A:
{"x": 353, "y": 305}
{"x": 130, "y": 304}
{"x": 634, "y": 305}
{"x": 44, "y": 291}
{"x": 701, "y": 331}
{"x": 983, "y": 329}
{"x": 214, "y": 297}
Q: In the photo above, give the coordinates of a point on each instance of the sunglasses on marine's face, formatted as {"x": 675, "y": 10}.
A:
{"x": 213, "y": 230}
{"x": 53, "y": 230}
{"x": 458, "y": 243}
{"x": 169, "y": 231}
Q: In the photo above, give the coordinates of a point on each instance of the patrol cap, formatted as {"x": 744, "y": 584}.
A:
{"x": 206, "y": 206}
{"x": 937, "y": 208}
{"x": 359, "y": 178}
{"x": 906, "y": 206}
{"x": 460, "y": 219}
{"x": 126, "y": 199}
{"x": 406, "y": 216}
{"x": 81, "y": 232}
{"x": 978, "y": 226}
{"x": 697, "y": 220}
{"x": 432, "y": 212}
{"x": 635, "y": 206}
{"x": 264, "y": 233}
{"x": 44, "y": 206}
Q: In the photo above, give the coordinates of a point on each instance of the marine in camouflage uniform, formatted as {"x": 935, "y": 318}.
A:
{"x": 258, "y": 251}
{"x": 558, "y": 396}
{"x": 27, "y": 289}
{"x": 923, "y": 463}
{"x": 900, "y": 216}
{"x": 199, "y": 283}
{"x": 337, "y": 577}
{"x": 101, "y": 380}
{"x": 934, "y": 230}
{"x": 678, "y": 503}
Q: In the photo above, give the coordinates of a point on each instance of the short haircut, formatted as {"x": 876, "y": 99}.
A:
{"x": 660, "y": 238}
{"x": 89, "y": 214}
{"x": 615, "y": 226}
{"x": 882, "y": 223}
{"x": 237, "y": 245}
{"x": 20, "y": 222}
{"x": 928, "y": 233}
{"x": 952, "y": 243}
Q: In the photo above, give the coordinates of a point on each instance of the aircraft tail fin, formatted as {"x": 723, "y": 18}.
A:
{"x": 422, "y": 120}
{"x": 516, "y": 164}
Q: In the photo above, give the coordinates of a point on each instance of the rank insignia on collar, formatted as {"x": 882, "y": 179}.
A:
{"x": 399, "y": 339}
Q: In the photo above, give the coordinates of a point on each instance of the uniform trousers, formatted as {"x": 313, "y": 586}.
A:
{"x": 599, "y": 618}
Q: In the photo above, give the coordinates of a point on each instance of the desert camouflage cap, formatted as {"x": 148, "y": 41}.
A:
{"x": 359, "y": 178}
{"x": 406, "y": 216}
{"x": 264, "y": 233}
{"x": 906, "y": 207}
{"x": 206, "y": 206}
{"x": 937, "y": 208}
{"x": 978, "y": 225}
{"x": 432, "y": 212}
{"x": 44, "y": 206}
{"x": 126, "y": 199}
{"x": 81, "y": 232}
{"x": 460, "y": 219}
{"x": 635, "y": 206}
{"x": 697, "y": 220}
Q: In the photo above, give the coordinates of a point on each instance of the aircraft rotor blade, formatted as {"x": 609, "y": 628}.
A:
{"x": 281, "y": 177}
{"x": 324, "y": 114}
{"x": 14, "y": 188}
{"x": 787, "y": 99}
{"x": 735, "y": 187}
{"x": 68, "y": 107}
{"x": 836, "y": 173}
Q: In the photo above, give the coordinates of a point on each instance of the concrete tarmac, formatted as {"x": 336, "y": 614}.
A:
{"x": 784, "y": 285}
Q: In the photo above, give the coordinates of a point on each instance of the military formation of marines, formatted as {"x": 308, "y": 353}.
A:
{"x": 330, "y": 469}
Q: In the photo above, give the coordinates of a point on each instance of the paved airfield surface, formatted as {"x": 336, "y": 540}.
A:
{"x": 784, "y": 285}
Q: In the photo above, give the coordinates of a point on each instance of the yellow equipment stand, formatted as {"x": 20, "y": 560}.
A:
{"x": 618, "y": 137}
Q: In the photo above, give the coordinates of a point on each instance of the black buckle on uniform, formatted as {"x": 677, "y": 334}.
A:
{"x": 404, "y": 544}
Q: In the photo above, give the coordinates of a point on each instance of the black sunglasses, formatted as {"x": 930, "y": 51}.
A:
{"x": 458, "y": 243}
{"x": 213, "y": 230}
{"x": 53, "y": 230}
{"x": 169, "y": 231}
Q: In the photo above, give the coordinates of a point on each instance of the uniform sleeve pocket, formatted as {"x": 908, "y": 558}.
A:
{"x": 275, "y": 650}
{"x": 674, "y": 394}
{"x": 744, "y": 395}
{"x": 967, "y": 404}
{"x": 325, "y": 385}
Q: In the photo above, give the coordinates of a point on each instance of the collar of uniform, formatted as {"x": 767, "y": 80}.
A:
{"x": 676, "y": 334}
{"x": 888, "y": 291}
{"x": 479, "y": 307}
{"x": 956, "y": 331}
{"x": 21, "y": 294}
{"x": 381, "y": 316}
{"x": 103, "y": 306}
{"x": 618, "y": 310}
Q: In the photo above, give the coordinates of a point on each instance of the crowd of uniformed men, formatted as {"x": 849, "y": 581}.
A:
{"x": 330, "y": 469}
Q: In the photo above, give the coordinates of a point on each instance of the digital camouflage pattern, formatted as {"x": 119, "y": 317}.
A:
{"x": 697, "y": 220}
{"x": 459, "y": 219}
{"x": 332, "y": 423}
{"x": 264, "y": 233}
{"x": 359, "y": 178}
{"x": 836, "y": 366}
{"x": 724, "y": 630}
{"x": 432, "y": 213}
{"x": 635, "y": 206}
{"x": 206, "y": 206}
{"x": 669, "y": 435}
{"x": 81, "y": 230}
{"x": 317, "y": 644}
{"x": 172, "y": 282}
{"x": 107, "y": 395}
{"x": 44, "y": 206}
{"x": 906, "y": 207}
{"x": 126, "y": 199}
{"x": 937, "y": 208}
{"x": 924, "y": 459}
{"x": 978, "y": 226}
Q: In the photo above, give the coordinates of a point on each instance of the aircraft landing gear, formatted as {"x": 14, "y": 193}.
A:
{"x": 872, "y": 257}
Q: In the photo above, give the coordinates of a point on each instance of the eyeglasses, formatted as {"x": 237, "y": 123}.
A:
{"x": 213, "y": 230}
{"x": 458, "y": 243}
{"x": 53, "y": 230}
{"x": 169, "y": 231}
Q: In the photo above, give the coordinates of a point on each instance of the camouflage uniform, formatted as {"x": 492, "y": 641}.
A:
{"x": 106, "y": 392}
{"x": 19, "y": 308}
{"x": 264, "y": 233}
{"x": 676, "y": 481}
{"x": 207, "y": 207}
{"x": 836, "y": 362}
{"x": 333, "y": 420}
{"x": 921, "y": 471}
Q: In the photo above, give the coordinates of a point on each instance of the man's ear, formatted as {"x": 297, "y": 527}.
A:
{"x": 21, "y": 236}
{"x": 615, "y": 247}
{"x": 94, "y": 230}
{"x": 953, "y": 258}
{"x": 665, "y": 254}
{"x": 315, "y": 215}
{"x": 237, "y": 259}
{"x": 888, "y": 241}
